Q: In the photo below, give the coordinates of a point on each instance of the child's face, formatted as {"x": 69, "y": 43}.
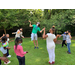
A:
{"x": 7, "y": 35}
{"x": 19, "y": 42}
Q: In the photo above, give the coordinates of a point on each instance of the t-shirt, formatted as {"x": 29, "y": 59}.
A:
{"x": 19, "y": 51}
{"x": 49, "y": 41}
{"x": 8, "y": 39}
{"x": 64, "y": 36}
{"x": 5, "y": 44}
{"x": 68, "y": 40}
{"x": 35, "y": 29}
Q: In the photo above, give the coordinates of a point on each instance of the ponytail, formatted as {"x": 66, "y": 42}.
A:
{"x": 16, "y": 42}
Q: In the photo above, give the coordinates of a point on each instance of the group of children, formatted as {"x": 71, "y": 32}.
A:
{"x": 50, "y": 40}
{"x": 17, "y": 48}
{"x": 5, "y": 46}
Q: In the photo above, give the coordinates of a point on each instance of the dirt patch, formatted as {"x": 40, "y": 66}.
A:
{"x": 59, "y": 42}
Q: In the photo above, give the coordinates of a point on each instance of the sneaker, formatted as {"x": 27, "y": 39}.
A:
{"x": 9, "y": 56}
{"x": 69, "y": 53}
{"x": 50, "y": 63}
{"x": 53, "y": 62}
{"x": 34, "y": 47}
{"x": 7, "y": 62}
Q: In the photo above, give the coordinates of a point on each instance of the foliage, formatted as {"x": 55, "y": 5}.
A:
{"x": 63, "y": 19}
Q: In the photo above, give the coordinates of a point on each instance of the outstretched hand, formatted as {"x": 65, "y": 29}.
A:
{"x": 43, "y": 28}
{"x": 58, "y": 35}
{"x": 29, "y": 21}
{"x": 26, "y": 51}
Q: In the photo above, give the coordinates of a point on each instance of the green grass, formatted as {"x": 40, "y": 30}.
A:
{"x": 40, "y": 56}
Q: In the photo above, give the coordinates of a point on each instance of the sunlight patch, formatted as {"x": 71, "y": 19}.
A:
{"x": 41, "y": 48}
{"x": 73, "y": 45}
{"x": 37, "y": 60}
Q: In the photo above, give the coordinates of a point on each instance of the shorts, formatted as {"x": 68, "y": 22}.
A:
{"x": 4, "y": 51}
{"x": 33, "y": 36}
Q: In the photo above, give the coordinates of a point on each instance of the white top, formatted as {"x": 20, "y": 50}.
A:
{"x": 8, "y": 39}
{"x": 18, "y": 34}
{"x": 49, "y": 41}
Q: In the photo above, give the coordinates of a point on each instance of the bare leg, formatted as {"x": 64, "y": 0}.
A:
{"x": 34, "y": 43}
{"x": 37, "y": 43}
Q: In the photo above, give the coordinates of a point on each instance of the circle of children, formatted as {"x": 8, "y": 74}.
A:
{"x": 18, "y": 49}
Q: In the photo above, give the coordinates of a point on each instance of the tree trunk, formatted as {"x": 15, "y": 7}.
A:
{"x": 5, "y": 31}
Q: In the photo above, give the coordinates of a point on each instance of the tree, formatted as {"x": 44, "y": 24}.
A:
{"x": 7, "y": 19}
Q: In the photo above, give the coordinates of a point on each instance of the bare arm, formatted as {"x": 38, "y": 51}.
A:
{"x": 44, "y": 35}
{"x": 30, "y": 24}
{"x": 2, "y": 36}
{"x": 70, "y": 36}
{"x": 56, "y": 38}
{"x": 14, "y": 33}
{"x": 4, "y": 59}
{"x": 6, "y": 47}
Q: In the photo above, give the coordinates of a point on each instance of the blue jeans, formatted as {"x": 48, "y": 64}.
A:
{"x": 68, "y": 46}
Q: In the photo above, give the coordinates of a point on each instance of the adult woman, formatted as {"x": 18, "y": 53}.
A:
{"x": 51, "y": 40}
{"x": 18, "y": 33}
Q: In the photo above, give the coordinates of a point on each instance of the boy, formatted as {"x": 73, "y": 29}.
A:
{"x": 64, "y": 39}
{"x": 68, "y": 40}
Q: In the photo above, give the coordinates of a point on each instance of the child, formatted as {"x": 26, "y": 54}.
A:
{"x": 64, "y": 39}
{"x": 4, "y": 47}
{"x": 51, "y": 39}
{"x": 68, "y": 40}
{"x": 7, "y": 35}
{"x": 18, "y": 49}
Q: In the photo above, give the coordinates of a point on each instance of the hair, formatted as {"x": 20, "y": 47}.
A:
{"x": 4, "y": 38}
{"x": 38, "y": 25}
{"x": 69, "y": 31}
{"x": 16, "y": 41}
{"x": 53, "y": 28}
{"x": 21, "y": 28}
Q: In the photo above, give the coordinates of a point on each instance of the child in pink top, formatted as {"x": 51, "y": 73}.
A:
{"x": 18, "y": 49}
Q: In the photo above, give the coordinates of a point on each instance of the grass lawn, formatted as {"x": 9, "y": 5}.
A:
{"x": 40, "y": 56}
